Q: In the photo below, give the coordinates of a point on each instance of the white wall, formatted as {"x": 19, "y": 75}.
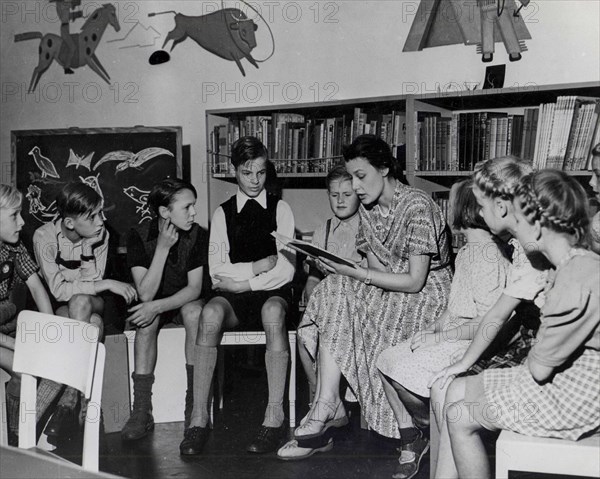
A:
{"x": 350, "y": 49}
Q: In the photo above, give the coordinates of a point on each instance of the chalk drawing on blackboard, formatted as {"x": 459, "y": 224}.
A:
{"x": 36, "y": 208}
{"x": 93, "y": 182}
{"x": 141, "y": 198}
{"x": 77, "y": 160}
{"x": 44, "y": 164}
{"x": 129, "y": 159}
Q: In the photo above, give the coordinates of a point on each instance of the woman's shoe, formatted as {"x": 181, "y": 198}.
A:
{"x": 315, "y": 426}
{"x": 291, "y": 451}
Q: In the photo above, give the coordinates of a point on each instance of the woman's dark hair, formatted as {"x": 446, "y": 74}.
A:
{"x": 162, "y": 193}
{"x": 375, "y": 151}
{"x": 77, "y": 199}
{"x": 247, "y": 148}
{"x": 465, "y": 210}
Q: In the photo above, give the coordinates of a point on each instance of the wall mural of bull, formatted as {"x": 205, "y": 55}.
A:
{"x": 227, "y": 33}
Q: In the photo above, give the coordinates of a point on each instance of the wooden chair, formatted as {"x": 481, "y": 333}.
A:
{"x": 66, "y": 351}
{"x": 250, "y": 338}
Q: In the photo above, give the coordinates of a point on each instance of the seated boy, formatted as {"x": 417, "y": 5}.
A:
{"x": 250, "y": 277}
{"x": 338, "y": 235}
{"x": 166, "y": 258}
{"x": 71, "y": 252}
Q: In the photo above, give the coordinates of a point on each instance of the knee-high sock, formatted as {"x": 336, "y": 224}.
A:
{"x": 277, "y": 364}
{"x": 205, "y": 359}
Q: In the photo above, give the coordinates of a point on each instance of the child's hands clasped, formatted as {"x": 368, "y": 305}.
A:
{"x": 143, "y": 314}
{"x": 224, "y": 284}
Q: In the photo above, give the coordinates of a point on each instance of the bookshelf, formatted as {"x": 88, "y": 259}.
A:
{"x": 305, "y": 140}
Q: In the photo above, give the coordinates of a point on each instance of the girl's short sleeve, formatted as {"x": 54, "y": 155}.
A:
{"x": 25, "y": 265}
{"x": 569, "y": 317}
{"x": 488, "y": 278}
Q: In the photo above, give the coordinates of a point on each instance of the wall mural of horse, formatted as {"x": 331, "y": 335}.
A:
{"x": 53, "y": 47}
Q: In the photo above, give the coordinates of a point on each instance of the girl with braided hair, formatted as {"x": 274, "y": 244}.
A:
{"x": 556, "y": 392}
{"x": 507, "y": 331}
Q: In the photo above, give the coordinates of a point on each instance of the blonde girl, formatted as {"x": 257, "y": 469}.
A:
{"x": 556, "y": 392}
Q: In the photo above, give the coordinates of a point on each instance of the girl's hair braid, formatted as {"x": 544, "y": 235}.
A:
{"x": 557, "y": 201}
{"x": 500, "y": 176}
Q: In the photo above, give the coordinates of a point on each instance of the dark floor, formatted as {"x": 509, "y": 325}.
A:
{"x": 357, "y": 453}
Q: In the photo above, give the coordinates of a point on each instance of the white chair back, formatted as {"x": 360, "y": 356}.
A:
{"x": 66, "y": 351}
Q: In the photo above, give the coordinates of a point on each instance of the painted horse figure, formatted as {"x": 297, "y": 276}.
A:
{"x": 52, "y": 47}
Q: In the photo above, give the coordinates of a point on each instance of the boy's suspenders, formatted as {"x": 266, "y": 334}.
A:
{"x": 327, "y": 228}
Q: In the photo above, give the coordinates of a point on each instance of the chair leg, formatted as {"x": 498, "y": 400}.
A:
{"x": 4, "y": 416}
{"x": 221, "y": 374}
{"x": 292, "y": 386}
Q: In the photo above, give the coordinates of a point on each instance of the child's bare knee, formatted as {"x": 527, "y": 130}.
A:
{"x": 80, "y": 303}
{"x": 190, "y": 312}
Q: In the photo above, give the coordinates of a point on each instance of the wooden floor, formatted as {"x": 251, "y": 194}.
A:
{"x": 357, "y": 453}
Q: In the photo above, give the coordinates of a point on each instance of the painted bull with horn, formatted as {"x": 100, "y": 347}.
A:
{"x": 228, "y": 33}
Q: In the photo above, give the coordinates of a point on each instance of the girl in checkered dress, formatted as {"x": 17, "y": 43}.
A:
{"x": 556, "y": 392}
{"x": 495, "y": 344}
{"x": 17, "y": 266}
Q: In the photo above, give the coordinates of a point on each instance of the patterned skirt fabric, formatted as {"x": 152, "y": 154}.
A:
{"x": 512, "y": 355}
{"x": 356, "y": 322}
{"x": 413, "y": 369}
{"x": 567, "y": 407}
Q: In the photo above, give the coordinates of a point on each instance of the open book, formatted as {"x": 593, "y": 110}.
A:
{"x": 311, "y": 250}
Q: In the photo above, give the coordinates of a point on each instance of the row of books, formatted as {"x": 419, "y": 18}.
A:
{"x": 458, "y": 239}
{"x": 554, "y": 135}
{"x": 566, "y": 132}
{"x": 390, "y": 127}
{"x": 456, "y": 143}
{"x": 310, "y": 143}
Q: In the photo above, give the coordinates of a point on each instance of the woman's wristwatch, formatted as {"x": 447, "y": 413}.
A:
{"x": 367, "y": 279}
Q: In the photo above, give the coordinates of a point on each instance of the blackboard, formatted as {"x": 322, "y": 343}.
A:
{"x": 122, "y": 164}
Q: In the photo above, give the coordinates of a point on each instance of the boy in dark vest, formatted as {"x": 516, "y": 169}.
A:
{"x": 251, "y": 276}
{"x": 166, "y": 258}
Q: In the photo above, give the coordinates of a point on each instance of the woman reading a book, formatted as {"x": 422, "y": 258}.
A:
{"x": 357, "y": 312}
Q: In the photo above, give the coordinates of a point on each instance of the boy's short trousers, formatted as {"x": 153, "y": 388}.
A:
{"x": 248, "y": 306}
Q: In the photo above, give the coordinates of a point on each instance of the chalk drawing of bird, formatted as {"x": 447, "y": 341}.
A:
{"x": 77, "y": 161}
{"x": 44, "y": 164}
{"x": 141, "y": 198}
{"x": 37, "y": 209}
{"x": 128, "y": 159}
{"x": 94, "y": 182}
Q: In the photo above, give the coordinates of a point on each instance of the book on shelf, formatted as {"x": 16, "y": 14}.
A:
{"x": 565, "y": 133}
{"x": 311, "y": 250}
